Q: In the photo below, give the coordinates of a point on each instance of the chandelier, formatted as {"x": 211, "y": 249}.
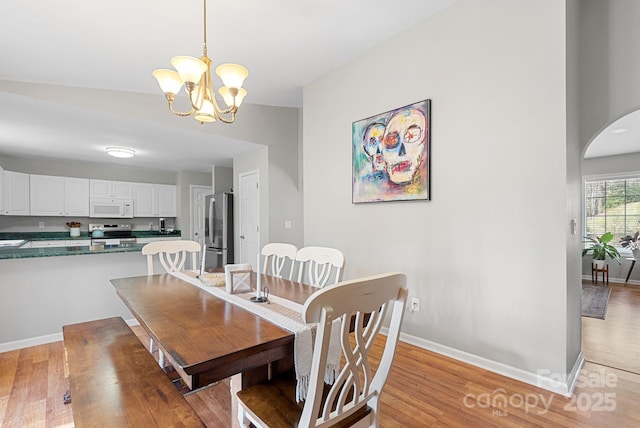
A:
{"x": 195, "y": 75}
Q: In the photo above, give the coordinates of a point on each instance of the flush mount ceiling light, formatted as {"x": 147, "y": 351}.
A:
{"x": 120, "y": 152}
{"x": 195, "y": 75}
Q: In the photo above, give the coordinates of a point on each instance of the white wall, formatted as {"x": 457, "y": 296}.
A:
{"x": 609, "y": 63}
{"x": 43, "y": 294}
{"x": 487, "y": 255}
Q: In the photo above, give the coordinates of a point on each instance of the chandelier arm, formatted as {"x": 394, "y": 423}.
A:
{"x": 224, "y": 120}
{"x": 218, "y": 110}
{"x": 170, "y": 98}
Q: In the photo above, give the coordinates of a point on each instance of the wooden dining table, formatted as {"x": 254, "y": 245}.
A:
{"x": 206, "y": 338}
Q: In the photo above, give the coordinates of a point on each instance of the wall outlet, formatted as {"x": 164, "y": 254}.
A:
{"x": 41, "y": 225}
{"x": 415, "y": 305}
{"x": 287, "y": 224}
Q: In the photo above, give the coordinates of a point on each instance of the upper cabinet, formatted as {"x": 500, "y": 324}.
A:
{"x": 111, "y": 189}
{"x": 15, "y": 193}
{"x": 46, "y": 195}
{"x": 59, "y": 196}
{"x": 154, "y": 200}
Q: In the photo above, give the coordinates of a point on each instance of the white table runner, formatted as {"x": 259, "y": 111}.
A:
{"x": 288, "y": 315}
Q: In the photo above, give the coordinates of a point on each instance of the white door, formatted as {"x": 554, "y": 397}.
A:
{"x": 197, "y": 212}
{"x": 249, "y": 217}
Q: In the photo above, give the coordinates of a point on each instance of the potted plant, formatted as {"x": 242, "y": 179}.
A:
{"x": 600, "y": 249}
{"x": 633, "y": 244}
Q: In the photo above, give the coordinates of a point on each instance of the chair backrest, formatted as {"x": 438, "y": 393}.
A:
{"x": 367, "y": 301}
{"x": 276, "y": 256}
{"x": 172, "y": 254}
{"x": 319, "y": 262}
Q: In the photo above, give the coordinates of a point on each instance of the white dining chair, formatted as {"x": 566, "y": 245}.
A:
{"x": 319, "y": 266}
{"x": 361, "y": 305}
{"x": 173, "y": 256}
{"x": 276, "y": 257}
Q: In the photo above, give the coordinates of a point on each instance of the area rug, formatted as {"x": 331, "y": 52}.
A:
{"x": 595, "y": 300}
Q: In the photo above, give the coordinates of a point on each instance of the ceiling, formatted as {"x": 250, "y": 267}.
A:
{"x": 620, "y": 137}
{"x": 116, "y": 44}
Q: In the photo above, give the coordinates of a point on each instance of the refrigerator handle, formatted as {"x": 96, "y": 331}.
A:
{"x": 212, "y": 213}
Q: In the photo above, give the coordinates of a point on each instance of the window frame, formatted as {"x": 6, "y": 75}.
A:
{"x": 604, "y": 177}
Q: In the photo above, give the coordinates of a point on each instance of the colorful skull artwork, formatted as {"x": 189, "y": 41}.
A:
{"x": 371, "y": 142}
{"x": 403, "y": 145}
{"x": 391, "y": 155}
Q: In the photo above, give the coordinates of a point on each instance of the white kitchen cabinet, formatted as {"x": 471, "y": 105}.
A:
{"x": 167, "y": 200}
{"x": 111, "y": 189}
{"x": 158, "y": 238}
{"x": 57, "y": 243}
{"x": 154, "y": 200}
{"x": 78, "y": 243}
{"x": 15, "y": 193}
{"x": 1, "y": 190}
{"x": 44, "y": 244}
{"x": 59, "y": 196}
{"x": 76, "y": 197}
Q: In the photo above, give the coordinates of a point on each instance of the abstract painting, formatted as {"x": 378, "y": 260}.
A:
{"x": 391, "y": 155}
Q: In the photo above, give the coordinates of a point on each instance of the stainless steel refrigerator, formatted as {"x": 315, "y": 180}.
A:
{"x": 218, "y": 230}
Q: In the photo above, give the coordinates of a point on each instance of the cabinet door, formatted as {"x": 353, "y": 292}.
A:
{"x": 44, "y": 244}
{"x": 167, "y": 200}
{"x": 1, "y": 190}
{"x": 144, "y": 200}
{"x": 122, "y": 189}
{"x": 46, "y": 195}
{"x": 100, "y": 188}
{"x": 16, "y": 193}
{"x": 76, "y": 197}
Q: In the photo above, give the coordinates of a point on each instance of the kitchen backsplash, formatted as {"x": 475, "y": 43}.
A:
{"x": 59, "y": 224}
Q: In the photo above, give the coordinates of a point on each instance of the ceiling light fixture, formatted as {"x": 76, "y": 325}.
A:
{"x": 195, "y": 75}
{"x": 120, "y": 152}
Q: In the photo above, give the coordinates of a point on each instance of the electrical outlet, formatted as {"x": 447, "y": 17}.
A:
{"x": 41, "y": 225}
{"x": 415, "y": 304}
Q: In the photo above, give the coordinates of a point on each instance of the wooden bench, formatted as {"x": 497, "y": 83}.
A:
{"x": 116, "y": 382}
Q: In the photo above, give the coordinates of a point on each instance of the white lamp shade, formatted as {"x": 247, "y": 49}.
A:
{"x": 232, "y": 75}
{"x": 228, "y": 98}
{"x": 189, "y": 68}
{"x": 205, "y": 114}
{"x": 169, "y": 80}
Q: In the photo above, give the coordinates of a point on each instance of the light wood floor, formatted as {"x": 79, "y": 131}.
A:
{"x": 424, "y": 389}
{"x": 615, "y": 341}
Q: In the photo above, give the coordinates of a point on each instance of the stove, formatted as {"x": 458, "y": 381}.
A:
{"x": 113, "y": 234}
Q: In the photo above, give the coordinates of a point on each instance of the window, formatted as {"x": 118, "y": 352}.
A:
{"x": 612, "y": 205}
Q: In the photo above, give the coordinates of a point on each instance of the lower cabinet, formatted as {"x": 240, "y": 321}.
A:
{"x": 159, "y": 238}
{"x": 57, "y": 243}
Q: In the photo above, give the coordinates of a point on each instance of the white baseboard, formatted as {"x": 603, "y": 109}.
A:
{"x": 42, "y": 340}
{"x": 563, "y": 387}
{"x": 619, "y": 281}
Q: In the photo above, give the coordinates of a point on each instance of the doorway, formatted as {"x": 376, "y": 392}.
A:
{"x": 609, "y": 164}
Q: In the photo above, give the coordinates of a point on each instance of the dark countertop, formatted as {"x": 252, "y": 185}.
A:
{"x": 54, "y": 236}
{"x": 21, "y": 253}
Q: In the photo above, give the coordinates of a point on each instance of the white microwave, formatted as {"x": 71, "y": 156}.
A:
{"x": 110, "y": 208}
